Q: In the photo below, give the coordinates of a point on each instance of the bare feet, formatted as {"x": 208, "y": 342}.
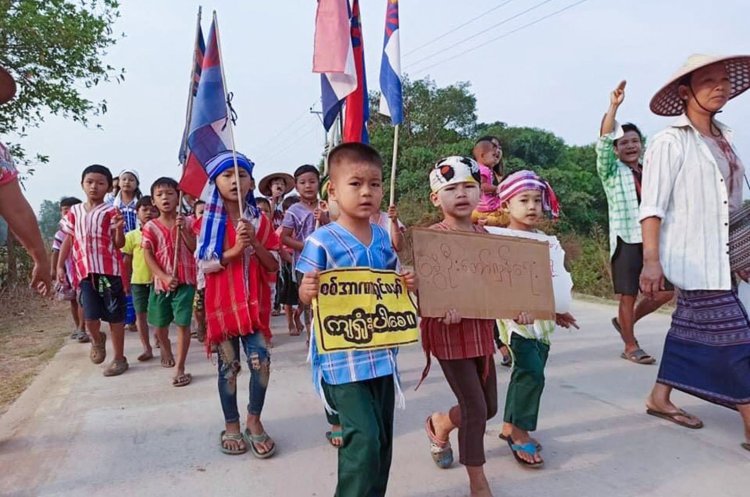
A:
{"x": 441, "y": 422}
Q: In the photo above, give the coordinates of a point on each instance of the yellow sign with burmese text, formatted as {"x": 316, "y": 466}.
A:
{"x": 363, "y": 309}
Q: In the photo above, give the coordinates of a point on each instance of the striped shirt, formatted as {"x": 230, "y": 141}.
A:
{"x": 683, "y": 186}
{"x": 300, "y": 219}
{"x": 94, "y": 251}
{"x": 469, "y": 339}
{"x": 70, "y": 273}
{"x": 159, "y": 239}
{"x": 330, "y": 247}
{"x": 619, "y": 186}
{"x": 128, "y": 211}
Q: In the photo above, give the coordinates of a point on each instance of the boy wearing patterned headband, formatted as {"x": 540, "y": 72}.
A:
{"x": 171, "y": 296}
{"x": 236, "y": 252}
{"x": 526, "y": 197}
{"x": 463, "y": 347}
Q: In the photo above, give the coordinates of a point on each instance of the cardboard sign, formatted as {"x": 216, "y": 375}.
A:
{"x": 362, "y": 308}
{"x": 482, "y": 276}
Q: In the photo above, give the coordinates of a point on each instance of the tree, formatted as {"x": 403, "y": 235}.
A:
{"x": 54, "y": 49}
{"x": 442, "y": 121}
{"x": 49, "y": 219}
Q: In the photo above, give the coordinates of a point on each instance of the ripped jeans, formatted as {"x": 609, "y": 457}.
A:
{"x": 259, "y": 363}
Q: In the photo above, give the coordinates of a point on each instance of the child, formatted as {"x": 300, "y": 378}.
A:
{"x": 275, "y": 186}
{"x": 95, "y": 235}
{"x": 199, "y": 301}
{"x": 171, "y": 297}
{"x": 525, "y": 197}
{"x": 288, "y": 296}
{"x": 69, "y": 289}
{"x": 359, "y": 384}
{"x": 234, "y": 251}
{"x": 125, "y": 201}
{"x": 300, "y": 221}
{"x": 488, "y": 211}
{"x": 264, "y": 206}
{"x": 463, "y": 348}
{"x": 140, "y": 274}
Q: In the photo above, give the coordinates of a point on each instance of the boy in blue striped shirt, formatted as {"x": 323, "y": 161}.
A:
{"x": 360, "y": 385}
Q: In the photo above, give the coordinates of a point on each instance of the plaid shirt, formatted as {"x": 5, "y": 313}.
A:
{"x": 619, "y": 186}
{"x": 300, "y": 219}
{"x": 128, "y": 211}
{"x": 159, "y": 239}
{"x": 330, "y": 247}
{"x": 7, "y": 168}
{"x": 94, "y": 251}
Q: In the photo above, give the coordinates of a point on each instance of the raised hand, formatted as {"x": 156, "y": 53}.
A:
{"x": 618, "y": 94}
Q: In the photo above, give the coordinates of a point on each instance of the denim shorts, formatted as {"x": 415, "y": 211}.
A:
{"x": 103, "y": 298}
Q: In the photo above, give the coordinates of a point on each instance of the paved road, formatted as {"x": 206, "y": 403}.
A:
{"x": 76, "y": 433}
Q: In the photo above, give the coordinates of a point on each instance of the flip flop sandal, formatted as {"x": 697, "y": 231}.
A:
{"x": 638, "y": 356}
{"x": 745, "y": 445}
{"x": 182, "y": 380}
{"x": 529, "y": 448}
{"x": 617, "y": 326}
{"x": 533, "y": 440}
{"x": 441, "y": 450}
{"x": 251, "y": 440}
{"x": 232, "y": 437}
{"x": 672, "y": 416}
{"x": 331, "y": 435}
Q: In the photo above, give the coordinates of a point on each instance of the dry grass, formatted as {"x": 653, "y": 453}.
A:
{"x": 32, "y": 330}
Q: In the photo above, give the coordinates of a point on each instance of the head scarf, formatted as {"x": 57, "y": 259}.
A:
{"x": 522, "y": 181}
{"x": 117, "y": 202}
{"x": 453, "y": 170}
{"x": 213, "y": 229}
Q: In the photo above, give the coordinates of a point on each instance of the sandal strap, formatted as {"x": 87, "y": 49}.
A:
{"x": 258, "y": 439}
{"x": 529, "y": 448}
{"x": 233, "y": 437}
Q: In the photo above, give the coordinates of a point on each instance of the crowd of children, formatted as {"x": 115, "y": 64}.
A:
{"x": 236, "y": 260}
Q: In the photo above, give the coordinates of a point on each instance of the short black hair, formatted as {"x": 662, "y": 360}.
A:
{"x": 98, "y": 169}
{"x": 629, "y": 127}
{"x": 487, "y": 138}
{"x": 144, "y": 201}
{"x": 306, "y": 168}
{"x": 264, "y": 201}
{"x": 165, "y": 181}
{"x": 289, "y": 201}
{"x": 354, "y": 152}
{"x": 69, "y": 202}
{"x": 198, "y": 202}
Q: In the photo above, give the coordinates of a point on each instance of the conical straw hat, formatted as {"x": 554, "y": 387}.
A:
{"x": 667, "y": 101}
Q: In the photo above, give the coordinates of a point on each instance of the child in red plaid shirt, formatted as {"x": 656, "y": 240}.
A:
{"x": 171, "y": 297}
{"x": 95, "y": 236}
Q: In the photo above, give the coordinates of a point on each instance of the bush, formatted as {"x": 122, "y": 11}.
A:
{"x": 587, "y": 258}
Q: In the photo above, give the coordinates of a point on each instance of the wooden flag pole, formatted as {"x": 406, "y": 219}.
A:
{"x": 394, "y": 160}
{"x": 240, "y": 200}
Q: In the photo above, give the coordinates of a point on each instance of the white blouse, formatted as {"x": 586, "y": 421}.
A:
{"x": 684, "y": 187}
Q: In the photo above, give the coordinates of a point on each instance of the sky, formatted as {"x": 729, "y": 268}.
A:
{"x": 529, "y": 63}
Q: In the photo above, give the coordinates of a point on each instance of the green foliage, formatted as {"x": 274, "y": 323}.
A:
{"x": 49, "y": 219}
{"x": 54, "y": 50}
{"x": 587, "y": 258}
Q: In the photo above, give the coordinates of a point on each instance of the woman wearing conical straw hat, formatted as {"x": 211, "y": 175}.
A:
{"x": 692, "y": 182}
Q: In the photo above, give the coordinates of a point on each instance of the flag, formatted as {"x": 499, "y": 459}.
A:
{"x": 209, "y": 122}
{"x": 357, "y": 111}
{"x": 391, "y": 100}
{"x": 198, "y": 53}
{"x": 333, "y": 56}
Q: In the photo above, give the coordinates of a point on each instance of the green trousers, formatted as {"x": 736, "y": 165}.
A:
{"x": 526, "y": 382}
{"x": 365, "y": 411}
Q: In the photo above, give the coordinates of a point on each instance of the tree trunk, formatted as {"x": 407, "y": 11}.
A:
{"x": 12, "y": 263}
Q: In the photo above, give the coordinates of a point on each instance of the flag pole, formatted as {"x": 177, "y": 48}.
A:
{"x": 393, "y": 166}
{"x": 240, "y": 200}
{"x": 188, "y": 116}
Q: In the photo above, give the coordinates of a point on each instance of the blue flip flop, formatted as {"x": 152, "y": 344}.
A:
{"x": 529, "y": 448}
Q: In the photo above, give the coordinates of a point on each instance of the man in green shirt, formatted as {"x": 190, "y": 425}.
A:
{"x": 618, "y": 162}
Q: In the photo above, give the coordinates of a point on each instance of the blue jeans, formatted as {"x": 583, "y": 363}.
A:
{"x": 259, "y": 363}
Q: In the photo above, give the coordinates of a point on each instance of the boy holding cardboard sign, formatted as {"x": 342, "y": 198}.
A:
{"x": 360, "y": 384}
